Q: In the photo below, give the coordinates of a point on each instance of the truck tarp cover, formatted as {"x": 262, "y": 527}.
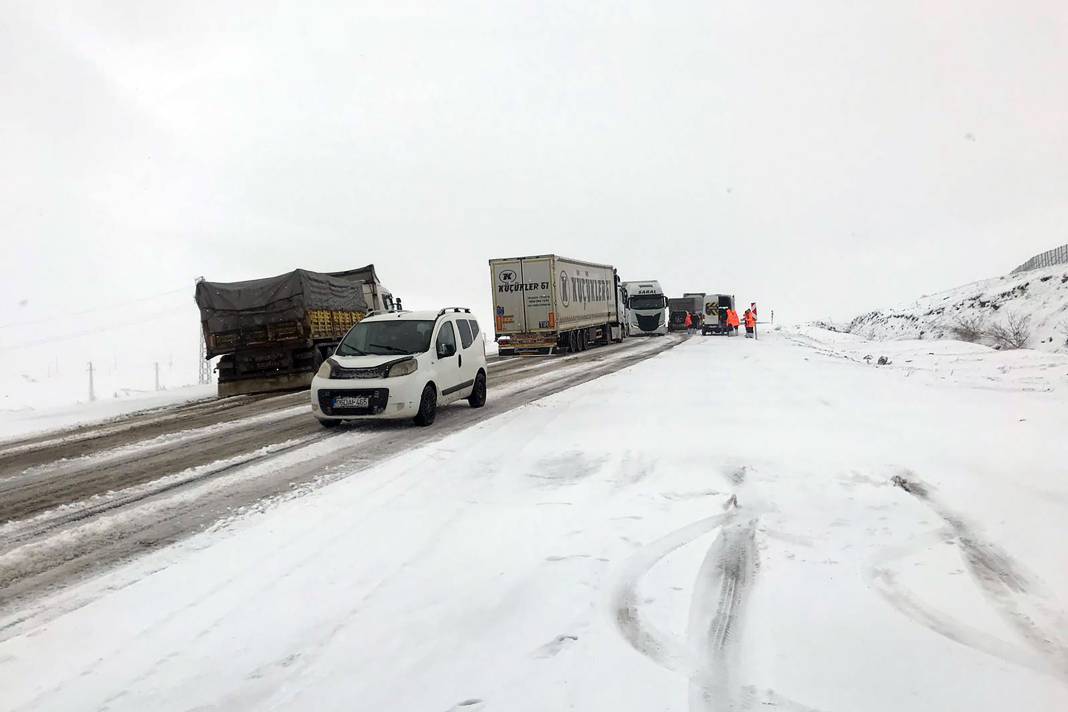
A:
{"x": 228, "y": 306}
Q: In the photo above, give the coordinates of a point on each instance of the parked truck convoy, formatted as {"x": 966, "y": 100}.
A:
{"x": 548, "y": 304}
{"x": 647, "y": 308}
{"x": 274, "y": 333}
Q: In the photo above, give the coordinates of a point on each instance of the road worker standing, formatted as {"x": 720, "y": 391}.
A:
{"x": 750, "y": 324}
{"x": 732, "y": 322}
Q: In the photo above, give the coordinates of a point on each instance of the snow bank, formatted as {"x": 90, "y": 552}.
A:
{"x": 954, "y": 363}
{"x": 1041, "y": 294}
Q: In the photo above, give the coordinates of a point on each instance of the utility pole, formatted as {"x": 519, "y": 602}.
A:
{"x": 92, "y": 393}
{"x": 203, "y": 364}
{"x": 157, "y": 375}
{"x": 204, "y": 373}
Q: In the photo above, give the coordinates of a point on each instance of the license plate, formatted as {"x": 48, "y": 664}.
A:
{"x": 351, "y": 402}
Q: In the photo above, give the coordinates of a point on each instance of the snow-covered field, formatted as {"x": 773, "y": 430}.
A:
{"x": 730, "y": 525}
{"x": 1041, "y": 294}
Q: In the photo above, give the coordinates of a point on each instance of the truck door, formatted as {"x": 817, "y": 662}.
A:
{"x": 538, "y": 295}
{"x": 510, "y": 316}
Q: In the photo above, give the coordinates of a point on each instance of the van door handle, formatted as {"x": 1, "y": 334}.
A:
{"x": 460, "y": 358}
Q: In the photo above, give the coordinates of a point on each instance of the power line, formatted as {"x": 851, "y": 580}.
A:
{"x": 114, "y": 305}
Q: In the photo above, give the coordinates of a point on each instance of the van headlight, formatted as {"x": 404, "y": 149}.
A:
{"x": 324, "y": 370}
{"x": 403, "y": 368}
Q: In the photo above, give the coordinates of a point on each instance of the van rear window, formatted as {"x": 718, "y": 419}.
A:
{"x": 465, "y": 332}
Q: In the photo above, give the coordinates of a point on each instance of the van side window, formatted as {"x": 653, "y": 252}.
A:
{"x": 474, "y": 327}
{"x": 465, "y": 332}
{"x": 446, "y": 337}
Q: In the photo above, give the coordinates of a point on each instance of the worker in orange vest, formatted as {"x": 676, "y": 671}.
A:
{"x": 750, "y": 324}
{"x": 732, "y": 321}
{"x": 689, "y": 323}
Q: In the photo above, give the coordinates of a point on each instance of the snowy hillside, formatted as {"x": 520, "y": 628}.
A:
{"x": 1041, "y": 294}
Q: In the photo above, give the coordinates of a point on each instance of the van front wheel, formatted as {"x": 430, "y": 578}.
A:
{"x": 428, "y": 406}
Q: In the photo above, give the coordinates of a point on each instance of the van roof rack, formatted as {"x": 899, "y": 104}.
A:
{"x": 377, "y": 312}
{"x": 458, "y": 310}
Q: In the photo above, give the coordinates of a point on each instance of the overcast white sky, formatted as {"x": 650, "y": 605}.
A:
{"x": 824, "y": 158}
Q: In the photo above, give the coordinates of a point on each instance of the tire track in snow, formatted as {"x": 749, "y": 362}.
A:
{"x": 17, "y": 532}
{"x": 1013, "y": 594}
{"x": 717, "y": 613}
{"x": 55, "y": 444}
{"x": 717, "y": 606}
{"x": 660, "y": 647}
{"x": 884, "y": 582}
{"x": 75, "y": 466}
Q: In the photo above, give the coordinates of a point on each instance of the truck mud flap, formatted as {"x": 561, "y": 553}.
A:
{"x": 284, "y": 382}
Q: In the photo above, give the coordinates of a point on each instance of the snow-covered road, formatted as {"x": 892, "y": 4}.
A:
{"x": 729, "y": 525}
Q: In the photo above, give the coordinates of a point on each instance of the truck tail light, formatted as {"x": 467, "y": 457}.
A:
{"x": 552, "y": 320}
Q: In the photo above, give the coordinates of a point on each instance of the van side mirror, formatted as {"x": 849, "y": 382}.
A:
{"x": 446, "y": 350}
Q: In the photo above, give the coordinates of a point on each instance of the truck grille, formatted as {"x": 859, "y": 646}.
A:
{"x": 378, "y": 397}
{"x": 650, "y": 323}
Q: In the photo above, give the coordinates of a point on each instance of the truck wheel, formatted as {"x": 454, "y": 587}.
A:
{"x": 428, "y": 406}
{"x": 583, "y": 339}
{"x": 477, "y": 399}
{"x": 572, "y": 342}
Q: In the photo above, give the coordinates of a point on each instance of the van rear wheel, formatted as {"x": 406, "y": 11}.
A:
{"x": 477, "y": 399}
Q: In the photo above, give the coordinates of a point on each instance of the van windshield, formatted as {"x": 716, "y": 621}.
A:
{"x": 387, "y": 337}
{"x": 647, "y": 301}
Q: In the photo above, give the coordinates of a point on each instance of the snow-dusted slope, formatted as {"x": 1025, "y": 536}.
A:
{"x": 1041, "y": 294}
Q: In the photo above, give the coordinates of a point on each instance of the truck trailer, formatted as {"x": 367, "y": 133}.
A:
{"x": 273, "y": 333}
{"x": 550, "y": 304}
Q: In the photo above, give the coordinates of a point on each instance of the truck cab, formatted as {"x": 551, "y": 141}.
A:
{"x": 647, "y": 308}
{"x": 378, "y": 298}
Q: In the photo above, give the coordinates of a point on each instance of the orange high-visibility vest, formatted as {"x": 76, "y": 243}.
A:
{"x": 732, "y": 318}
{"x": 750, "y": 320}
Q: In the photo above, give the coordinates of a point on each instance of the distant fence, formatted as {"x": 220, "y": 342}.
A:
{"x": 1056, "y": 256}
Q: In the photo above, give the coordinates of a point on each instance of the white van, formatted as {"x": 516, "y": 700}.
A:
{"x": 647, "y": 308}
{"x": 402, "y": 365}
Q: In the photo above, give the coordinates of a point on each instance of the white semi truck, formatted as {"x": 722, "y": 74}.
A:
{"x": 548, "y": 304}
{"x": 647, "y": 308}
